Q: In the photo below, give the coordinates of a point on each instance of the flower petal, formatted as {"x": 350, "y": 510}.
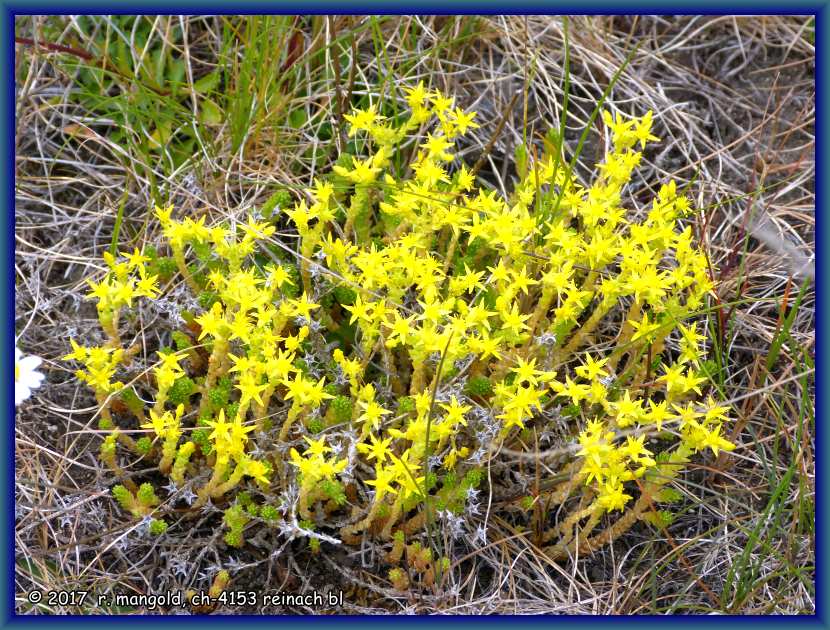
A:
{"x": 21, "y": 393}
{"x": 29, "y": 363}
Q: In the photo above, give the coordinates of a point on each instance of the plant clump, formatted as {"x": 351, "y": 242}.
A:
{"x": 421, "y": 325}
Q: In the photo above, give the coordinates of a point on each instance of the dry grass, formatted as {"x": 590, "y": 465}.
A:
{"x": 734, "y": 103}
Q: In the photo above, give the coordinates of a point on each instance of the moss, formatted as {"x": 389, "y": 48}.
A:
{"x": 147, "y": 495}
{"x": 158, "y": 527}
{"x": 123, "y": 496}
{"x": 406, "y": 404}
{"x": 234, "y": 538}
{"x": 341, "y": 408}
{"x": 480, "y": 386}
{"x": 181, "y": 391}
{"x": 344, "y": 295}
{"x": 334, "y": 491}
{"x": 144, "y": 445}
{"x": 269, "y": 513}
{"x": 207, "y": 299}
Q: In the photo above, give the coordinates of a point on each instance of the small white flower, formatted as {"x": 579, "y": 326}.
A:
{"x": 26, "y": 378}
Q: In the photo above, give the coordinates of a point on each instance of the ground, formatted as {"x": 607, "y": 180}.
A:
{"x": 98, "y": 142}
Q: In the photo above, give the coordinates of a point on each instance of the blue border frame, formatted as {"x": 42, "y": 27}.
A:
{"x": 821, "y": 130}
{"x": 425, "y": 7}
{"x": 592, "y": 7}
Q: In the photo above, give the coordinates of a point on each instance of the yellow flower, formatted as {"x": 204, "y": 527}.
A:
{"x": 644, "y": 329}
{"x": 316, "y": 448}
{"x": 714, "y": 441}
{"x": 257, "y": 230}
{"x": 364, "y": 172}
{"x": 377, "y": 450}
{"x": 658, "y": 413}
{"x": 309, "y": 468}
{"x": 257, "y": 470}
{"x": 592, "y": 368}
{"x": 628, "y": 411}
{"x": 612, "y": 497}
{"x": 303, "y": 306}
{"x": 382, "y": 482}
{"x": 79, "y": 353}
{"x": 526, "y": 372}
{"x": 239, "y": 432}
{"x": 278, "y": 276}
{"x": 514, "y": 321}
{"x": 463, "y": 121}
{"x": 221, "y": 428}
{"x": 136, "y": 259}
{"x": 577, "y": 392}
{"x": 400, "y": 329}
{"x": 158, "y": 423}
{"x": 359, "y": 310}
{"x": 362, "y": 119}
{"x": 455, "y": 411}
{"x": 372, "y": 413}
{"x": 521, "y": 282}
{"x": 211, "y": 322}
{"x": 415, "y": 96}
{"x": 642, "y": 130}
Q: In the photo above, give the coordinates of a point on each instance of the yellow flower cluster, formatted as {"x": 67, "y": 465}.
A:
{"x": 127, "y": 279}
{"x": 594, "y": 259}
{"x": 437, "y": 321}
{"x": 100, "y": 364}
